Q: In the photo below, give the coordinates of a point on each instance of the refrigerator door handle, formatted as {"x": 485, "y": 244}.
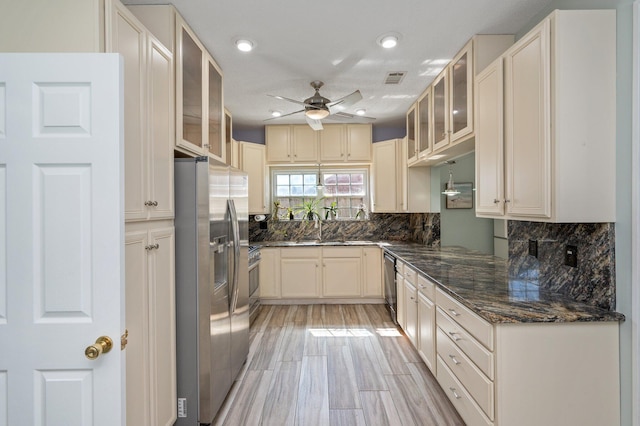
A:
{"x": 235, "y": 231}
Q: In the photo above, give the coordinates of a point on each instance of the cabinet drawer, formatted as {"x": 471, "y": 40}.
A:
{"x": 480, "y": 356}
{"x": 478, "y": 385}
{"x": 341, "y": 252}
{"x": 410, "y": 274}
{"x": 459, "y": 397}
{"x": 300, "y": 252}
{"x": 479, "y": 328}
{"x": 426, "y": 287}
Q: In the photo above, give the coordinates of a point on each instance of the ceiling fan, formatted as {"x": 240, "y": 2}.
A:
{"x": 318, "y": 107}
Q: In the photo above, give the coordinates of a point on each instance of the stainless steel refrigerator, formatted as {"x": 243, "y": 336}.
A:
{"x": 212, "y": 284}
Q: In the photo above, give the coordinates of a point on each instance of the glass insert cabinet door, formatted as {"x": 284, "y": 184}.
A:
{"x": 411, "y": 133}
{"x": 461, "y": 110}
{"x": 424, "y": 122}
{"x": 192, "y": 120}
{"x": 215, "y": 111}
{"x": 440, "y": 110}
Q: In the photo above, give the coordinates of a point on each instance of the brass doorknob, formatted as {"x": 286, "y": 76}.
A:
{"x": 102, "y": 346}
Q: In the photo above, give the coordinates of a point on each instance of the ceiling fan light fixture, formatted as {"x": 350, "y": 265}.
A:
{"x": 244, "y": 45}
{"x": 316, "y": 114}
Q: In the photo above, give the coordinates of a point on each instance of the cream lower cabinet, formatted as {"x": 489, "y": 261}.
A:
{"x": 527, "y": 374}
{"x": 300, "y": 273}
{"x": 341, "y": 272}
{"x": 372, "y": 282}
{"x": 353, "y": 273}
{"x": 150, "y": 321}
{"x": 411, "y": 311}
{"x": 426, "y": 334}
{"x": 269, "y": 273}
{"x": 400, "y": 300}
{"x": 252, "y": 161}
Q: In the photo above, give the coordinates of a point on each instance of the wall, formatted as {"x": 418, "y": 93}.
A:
{"x": 382, "y": 133}
{"x": 592, "y": 282}
{"x": 256, "y": 134}
{"x": 461, "y": 227}
{"x": 623, "y": 231}
{"x": 421, "y": 228}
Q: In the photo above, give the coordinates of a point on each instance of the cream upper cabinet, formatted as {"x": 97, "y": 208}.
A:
{"x": 291, "y": 144}
{"x": 198, "y": 83}
{"x": 424, "y": 124}
{"x": 345, "y": 143}
{"x": 396, "y": 188}
{"x": 231, "y": 145}
{"x": 412, "y": 135}
{"x": 148, "y": 129}
{"x": 559, "y": 123}
{"x": 445, "y": 110}
{"x": 441, "y": 110}
{"x": 386, "y": 177}
{"x": 199, "y": 108}
{"x": 252, "y": 161}
{"x": 490, "y": 140}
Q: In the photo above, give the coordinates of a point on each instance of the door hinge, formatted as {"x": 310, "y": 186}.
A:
{"x": 123, "y": 340}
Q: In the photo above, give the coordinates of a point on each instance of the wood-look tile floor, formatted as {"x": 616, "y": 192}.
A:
{"x": 333, "y": 365}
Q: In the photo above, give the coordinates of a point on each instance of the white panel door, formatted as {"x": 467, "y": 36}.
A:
{"x": 62, "y": 235}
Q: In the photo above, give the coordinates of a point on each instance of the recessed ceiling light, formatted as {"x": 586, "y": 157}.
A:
{"x": 361, "y": 111}
{"x": 276, "y": 113}
{"x": 244, "y": 45}
{"x": 389, "y": 40}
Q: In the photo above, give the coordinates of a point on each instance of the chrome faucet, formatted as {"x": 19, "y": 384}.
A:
{"x": 318, "y": 226}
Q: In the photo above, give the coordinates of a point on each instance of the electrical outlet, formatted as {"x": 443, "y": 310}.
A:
{"x": 571, "y": 256}
{"x": 533, "y": 248}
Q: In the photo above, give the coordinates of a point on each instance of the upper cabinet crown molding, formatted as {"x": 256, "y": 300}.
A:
{"x": 443, "y": 117}
{"x": 559, "y": 126}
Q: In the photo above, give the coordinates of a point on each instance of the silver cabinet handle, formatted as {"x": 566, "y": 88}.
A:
{"x": 455, "y": 394}
{"x": 496, "y": 201}
{"x": 152, "y": 246}
{"x": 453, "y": 358}
{"x": 151, "y": 203}
{"x": 454, "y": 313}
{"x": 454, "y": 336}
{"x": 507, "y": 201}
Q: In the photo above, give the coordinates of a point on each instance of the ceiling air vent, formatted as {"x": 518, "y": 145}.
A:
{"x": 394, "y": 77}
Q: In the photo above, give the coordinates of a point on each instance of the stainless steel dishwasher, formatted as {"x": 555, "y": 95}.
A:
{"x": 390, "y": 290}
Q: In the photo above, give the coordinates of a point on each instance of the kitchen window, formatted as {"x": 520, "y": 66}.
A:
{"x": 347, "y": 188}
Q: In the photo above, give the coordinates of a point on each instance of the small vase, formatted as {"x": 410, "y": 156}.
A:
{"x": 290, "y": 215}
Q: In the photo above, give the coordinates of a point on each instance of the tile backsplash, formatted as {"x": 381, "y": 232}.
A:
{"x": 417, "y": 227}
{"x": 592, "y": 281}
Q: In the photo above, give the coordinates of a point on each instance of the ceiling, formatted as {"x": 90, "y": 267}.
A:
{"x": 335, "y": 41}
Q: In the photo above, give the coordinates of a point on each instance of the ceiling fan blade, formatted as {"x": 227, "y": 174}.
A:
{"x": 344, "y": 102}
{"x": 314, "y": 124}
{"x": 294, "y": 101}
{"x": 346, "y": 115}
{"x": 283, "y": 115}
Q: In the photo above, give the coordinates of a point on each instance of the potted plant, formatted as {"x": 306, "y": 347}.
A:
{"x": 310, "y": 209}
{"x": 331, "y": 212}
{"x": 276, "y": 210}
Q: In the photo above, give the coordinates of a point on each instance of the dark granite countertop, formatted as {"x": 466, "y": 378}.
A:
{"x": 482, "y": 283}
